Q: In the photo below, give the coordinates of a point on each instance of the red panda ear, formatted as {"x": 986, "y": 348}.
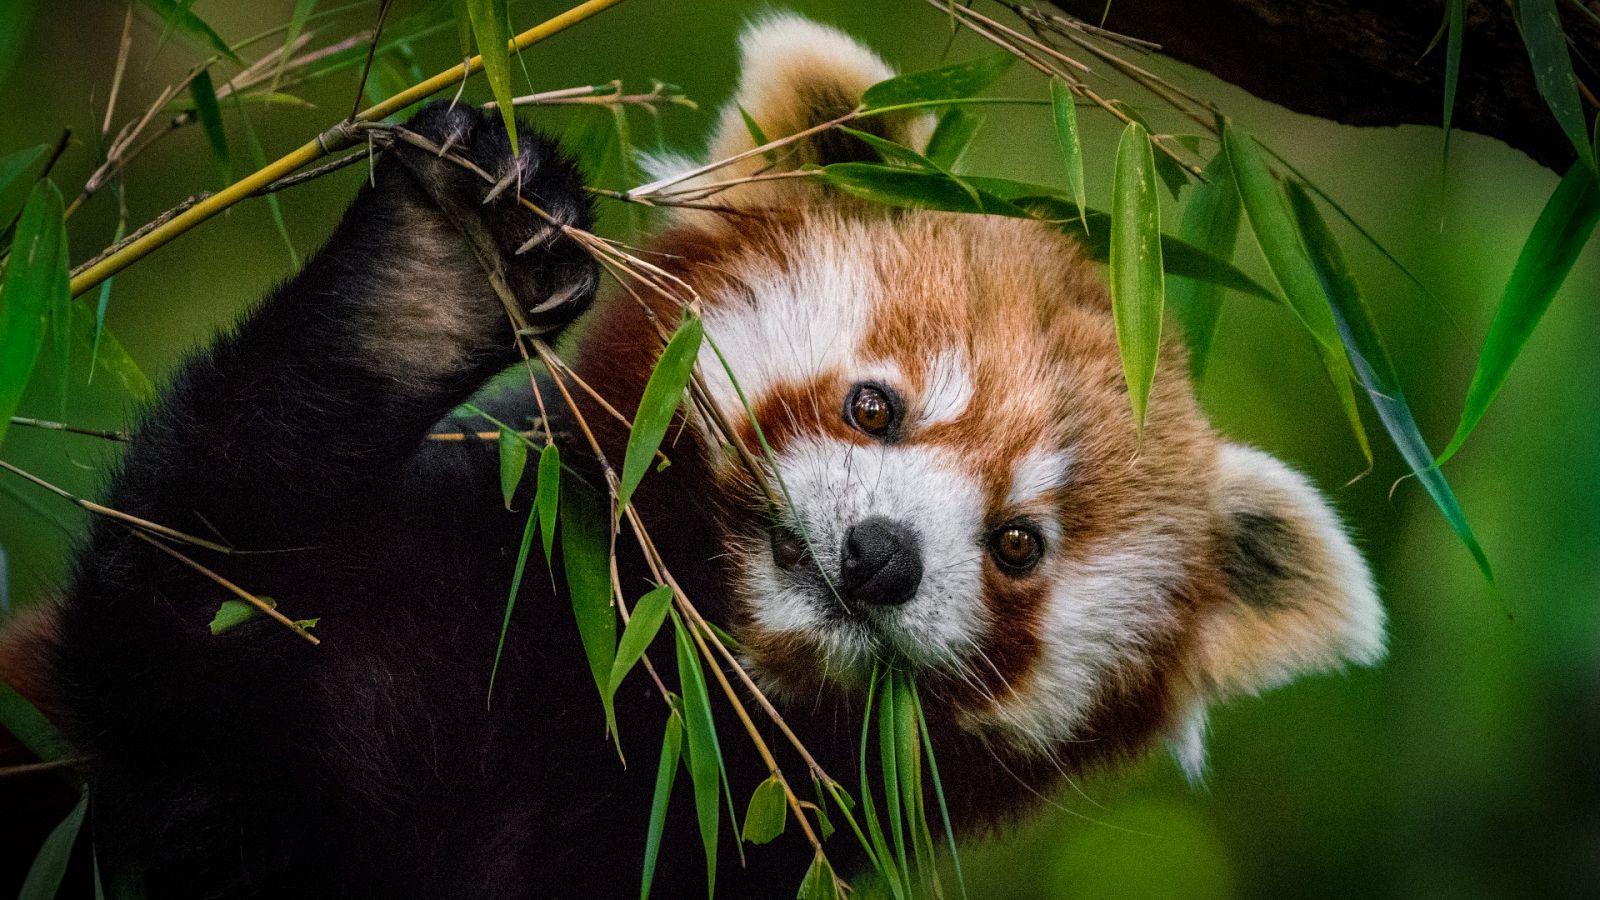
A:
{"x": 1296, "y": 596}
{"x": 796, "y": 74}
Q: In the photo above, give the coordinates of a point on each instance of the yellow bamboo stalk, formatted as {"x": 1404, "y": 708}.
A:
{"x": 315, "y": 149}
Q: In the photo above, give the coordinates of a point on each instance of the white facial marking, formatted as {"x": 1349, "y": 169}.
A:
{"x": 948, "y": 389}
{"x": 1037, "y": 474}
{"x": 835, "y": 485}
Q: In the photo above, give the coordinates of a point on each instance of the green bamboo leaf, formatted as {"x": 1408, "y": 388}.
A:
{"x": 666, "y": 774}
{"x": 756, "y": 133}
{"x": 877, "y": 846}
{"x": 1211, "y": 223}
{"x": 952, "y": 136}
{"x": 586, "y": 557}
{"x": 889, "y": 760}
{"x": 513, "y": 460}
{"x": 900, "y": 186}
{"x": 768, "y": 812}
{"x": 50, "y": 863}
{"x": 463, "y": 19}
{"x": 1562, "y": 230}
{"x": 662, "y": 394}
{"x": 547, "y": 499}
{"x": 950, "y": 82}
{"x": 35, "y": 281}
{"x": 705, "y": 756}
{"x": 489, "y": 18}
{"x": 178, "y": 15}
{"x": 210, "y": 115}
{"x": 18, "y": 172}
{"x": 1455, "y": 18}
{"x": 1173, "y": 175}
{"x": 511, "y": 599}
{"x": 259, "y": 157}
{"x": 648, "y": 614}
{"x": 29, "y": 726}
{"x": 819, "y": 883}
{"x": 909, "y": 755}
{"x": 1280, "y": 243}
{"x": 938, "y": 793}
{"x": 233, "y": 613}
{"x": 110, "y": 358}
{"x": 892, "y": 152}
{"x": 1552, "y": 71}
{"x": 1065, "y": 113}
{"x": 1138, "y": 286}
{"x": 1373, "y": 366}
{"x": 297, "y": 24}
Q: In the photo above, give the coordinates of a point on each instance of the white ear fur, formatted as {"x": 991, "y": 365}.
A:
{"x": 793, "y": 74}
{"x": 1299, "y": 597}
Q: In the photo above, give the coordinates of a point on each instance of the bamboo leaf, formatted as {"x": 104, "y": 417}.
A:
{"x": 18, "y": 172}
{"x": 950, "y": 82}
{"x": 819, "y": 883}
{"x": 1211, "y": 223}
{"x": 489, "y": 18}
{"x": 666, "y": 774}
{"x": 889, "y": 760}
{"x": 952, "y": 136}
{"x": 1375, "y": 370}
{"x": 1552, "y": 71}
{"x": 50, "y": 864}
{"x": 1278, "y": 238}
{"x": 662, "y": 394}
{"x": 938, "y": 793}
{"x": 233, "y": 613}
{"x": 877, "y": 845}
{"x": 178, "y": 15}
{"x": 648, "y": 614}
{"x": 210, "y": 115}
{"x": 1562, "y": 230}
{"x": 547, "y": 499}
{"x": 35, "y": 282}
{"x": 900, "y": 186}
{"x": 768, "y": 812}
{"x": 513, "y": 460}
{"x": 29, "y": 726}
{"x": 297, "y": 24}
{"x": 1138, "y": 287}
{"x": 463, "y": 20}
{"x": 111, "y": 358}
{"x": 259, "y": 158}
{"x": 511, "y": 599}
{"x": 1455, "y": 18}
{"x": 1065, "y": 111}
{"x": 892, "y": 152}
{"x": 586, "y": 557}
{"x": 705, "y": 755}
{"x": 1174, "y": 176}
{"x": 756, "y": 134}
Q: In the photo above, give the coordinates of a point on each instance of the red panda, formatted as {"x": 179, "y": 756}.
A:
{"x": 965, "y": 493}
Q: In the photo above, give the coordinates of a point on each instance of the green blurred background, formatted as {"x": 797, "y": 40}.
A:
{"x": 1465, "y": 765}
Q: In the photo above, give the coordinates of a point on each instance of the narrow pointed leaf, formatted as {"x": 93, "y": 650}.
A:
{"x": 1279, "y": 240}
{"x": 210, "y": 116}
{"x": 233, "y": 613}
{"x": 819, "y": 883}
{"x": 547, "y": 500}
{"x": 768, "y": 812}
{"x": 1174, "y": 176}
{"x": 586, "y": 557}
{"x": 259, "y": 158}
{"x": 1374, "y": 368}
{"x": 50, "y": 864}
{"x": 1552, "y": 71}
{"x": 938, "y": 793}
{"x": 666, "y": 774}
{"x": 1211, "y": 223}
{"x": 1138, "y": 284}
{"x": 952, "y": 136}
{"x": 511, "y": 598}
{"x": 18, "y": 171}
{"x": 513, "y": 460}
{"x": 35, "y": 282}
{"x": 1455, "y": 19}
{"x": 704, "y": 754}
{"x": 892, "y": 152}
{"x": 493, "y": 37}
{"x": 662, "y": 394}
{"x": 889, "y": 760}
{"x": 297, "y": 24}
{"x": 111, "y": 358}
{"x": 463, "y": 20}
{"x": 1065, "y": 111}
{"x": 29, "y": 726}
{"x": 950, "y": 82}
{"x": 1562, "y": 230}
{"x": 178, "y": 15}
{"x": 648, "y": 614}
{"x": 757, "y": 135}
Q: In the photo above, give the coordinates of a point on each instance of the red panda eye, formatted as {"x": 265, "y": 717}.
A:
{"x": 1016, "y": 547}
{"x": 872, "y": 410}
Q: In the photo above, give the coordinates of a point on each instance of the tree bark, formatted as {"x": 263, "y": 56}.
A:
{"x": 1360, "y": 62}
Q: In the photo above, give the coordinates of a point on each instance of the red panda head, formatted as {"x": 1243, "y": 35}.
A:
{"x": 963, "y": 488}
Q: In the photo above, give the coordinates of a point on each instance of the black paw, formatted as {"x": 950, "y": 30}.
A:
{"x": 551, "y": 274}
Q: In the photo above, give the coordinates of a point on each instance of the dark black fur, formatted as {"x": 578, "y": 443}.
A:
{"x": 252, "y": 764}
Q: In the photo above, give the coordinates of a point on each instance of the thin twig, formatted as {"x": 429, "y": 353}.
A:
{"x": 74, "y": 429}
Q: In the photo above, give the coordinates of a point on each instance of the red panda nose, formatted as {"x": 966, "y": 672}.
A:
{"x": 881, "y": 562}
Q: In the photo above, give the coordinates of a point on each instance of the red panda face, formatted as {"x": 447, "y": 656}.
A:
{"x": 939, "y": 402}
